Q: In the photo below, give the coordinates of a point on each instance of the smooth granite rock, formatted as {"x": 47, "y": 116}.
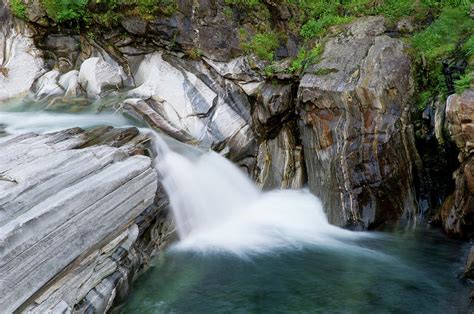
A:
{"x": 65, "y": 197}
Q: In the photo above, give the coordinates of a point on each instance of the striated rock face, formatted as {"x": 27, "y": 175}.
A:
{"x": 193, "y": 104}
{"x": 20, "y": 60}
{"x": 355, "y": 129}
{"x": 280, "y": 161}
{"x": 457, "y": 213}
{"x": 74, "y": 206}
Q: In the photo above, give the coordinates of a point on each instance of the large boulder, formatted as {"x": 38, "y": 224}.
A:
{"x": 73, "y": 206}
{"x": 354, "y": 126}
{"x": 98, "y": 75}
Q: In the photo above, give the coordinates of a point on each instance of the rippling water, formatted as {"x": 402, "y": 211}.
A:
{"x": 417, "y": 273}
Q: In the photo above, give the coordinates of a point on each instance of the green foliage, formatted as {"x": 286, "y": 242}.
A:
{"x": 463, "y": 83}
{"x": 247, "y": 3}
{"x": 314, "y": 28}
{"x": 262, "y": 45}
{"x": 438, "y": 42}
{"x": 18, "y": 8}
{"x": 441, "y": 38}
{"x": 305, "y": 58}
{"x": 468, "y": 47}
{"x": 66, "y": 10}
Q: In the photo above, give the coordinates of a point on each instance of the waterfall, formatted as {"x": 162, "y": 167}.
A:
{"x": 217, "y": 207}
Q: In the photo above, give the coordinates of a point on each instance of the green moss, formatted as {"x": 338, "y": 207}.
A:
{"x": 18, "y": 8}
{"x": 262, "y": 45}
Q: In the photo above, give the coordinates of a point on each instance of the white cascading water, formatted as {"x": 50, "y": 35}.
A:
{"x": 216, "y": 207}
{"x": 41, "y": 122}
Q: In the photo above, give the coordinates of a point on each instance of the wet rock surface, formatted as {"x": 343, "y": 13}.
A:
{"x": 79, "y": 215}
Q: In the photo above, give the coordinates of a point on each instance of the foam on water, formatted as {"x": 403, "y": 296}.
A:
{"x": 217, "y": 207}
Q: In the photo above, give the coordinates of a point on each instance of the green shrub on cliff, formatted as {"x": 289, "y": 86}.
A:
{"x": 305, "y": 58}
{"x": 463, "y": 83}
{"x": 66, "y": 10}
{"x": 314, "y": 28}
{"x": 262, "y": 45}
{"x": 18, "y": 8}
{"x": 437, "y": 44}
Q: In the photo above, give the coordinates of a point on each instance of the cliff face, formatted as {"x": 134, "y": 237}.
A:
{"x": 355, "y": 126}
{"x": 348, "y": 114}
{"x": 341, "y": 127}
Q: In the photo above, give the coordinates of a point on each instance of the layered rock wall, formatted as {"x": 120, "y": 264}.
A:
{"x": 73, "y": 210}
{"x": 354, "y": 108}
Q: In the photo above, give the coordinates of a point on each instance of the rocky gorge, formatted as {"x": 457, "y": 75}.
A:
{"x": 345, "y": 127}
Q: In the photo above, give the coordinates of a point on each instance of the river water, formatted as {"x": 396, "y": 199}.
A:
{"x": 245, "y": 251}
{"x": 413, "y": 272}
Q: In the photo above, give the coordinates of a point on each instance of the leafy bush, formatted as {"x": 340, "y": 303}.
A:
{"x": 441, "y": 37}
{"x": 66, "y": 10}
{"x": 18, "y": 8}
{"x": 314, "y": 28}
{"x": 439, "y": 42}
{"x": 463, "y": 83}
{"x": 305, "y": 58}
{"x": 262, "y": 45}
{"x": 248, "y": 3}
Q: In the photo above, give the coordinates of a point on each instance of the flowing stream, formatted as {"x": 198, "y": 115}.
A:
{"x": 246, "y": 251}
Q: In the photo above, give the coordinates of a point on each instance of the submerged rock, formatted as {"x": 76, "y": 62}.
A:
{"x": 354, "y": 126}
{"x": 73, "y": 209}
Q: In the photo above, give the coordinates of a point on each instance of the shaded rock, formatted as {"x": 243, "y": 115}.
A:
{"x": 280, "y": 163}
{"x": 274, "y": 106}
{"x": 469, "y": 266}
{"x": 354, "y": 126}
{"x": 69, "y": 201}
{"x": 457, "y": 212}
{"x": 64, "y": 51}
{"x": 134, "y": 25}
